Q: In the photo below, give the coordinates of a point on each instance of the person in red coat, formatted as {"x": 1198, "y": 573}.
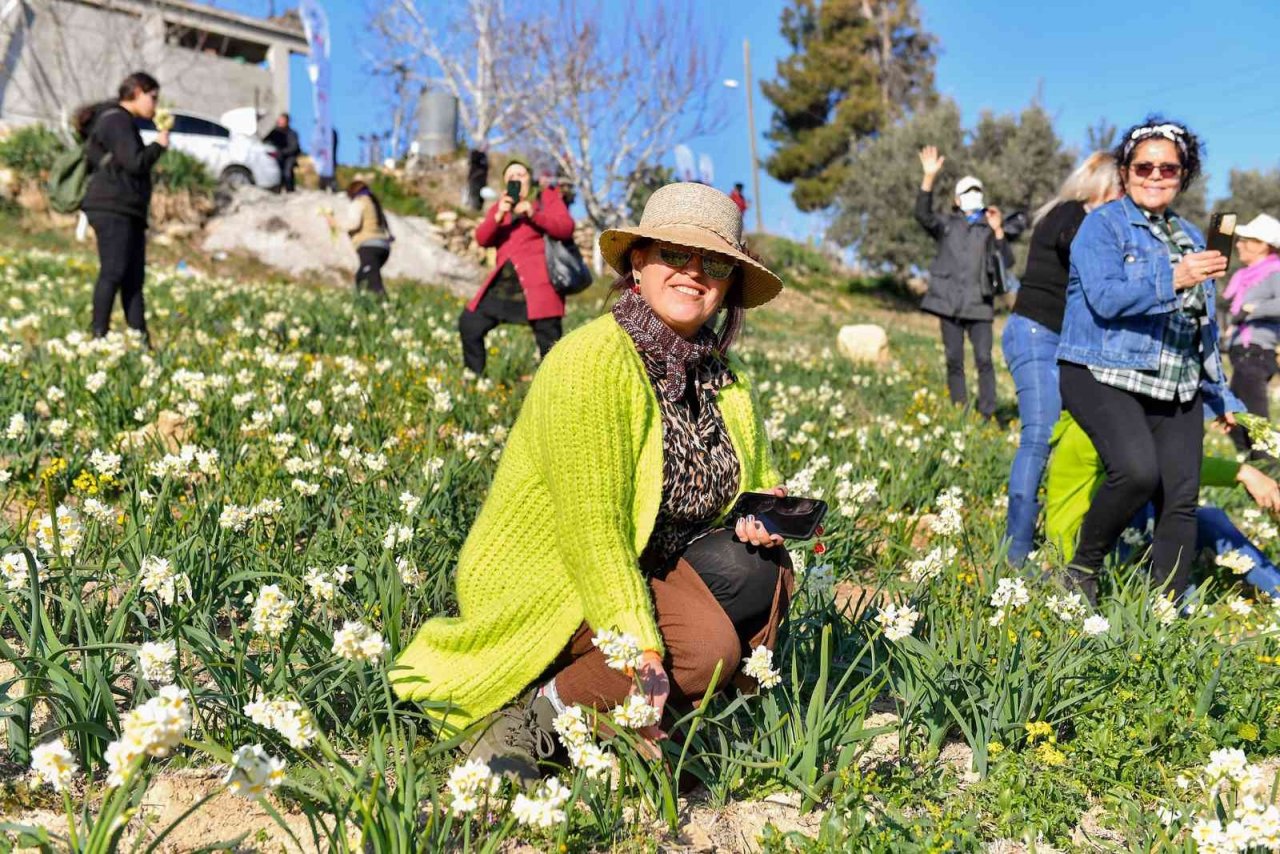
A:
{"x": 519, "y": 289}
{"x": 739, "y": 199}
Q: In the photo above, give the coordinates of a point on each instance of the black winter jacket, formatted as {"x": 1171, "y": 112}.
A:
{"x": 958, "y": 277}
{"x": 123, "y": 184}
{"x": 285, "y": 139}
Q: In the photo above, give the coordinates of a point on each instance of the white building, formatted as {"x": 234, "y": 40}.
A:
{"x": 58, "y": 54}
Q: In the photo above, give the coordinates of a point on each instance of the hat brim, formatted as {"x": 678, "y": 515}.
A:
{"x": 1249, "y": 234}
{"x": 759, "y": 283}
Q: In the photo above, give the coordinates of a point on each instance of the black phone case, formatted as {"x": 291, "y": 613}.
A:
{"x": 1222, "y": 233}
{"x": 791, "y": 517}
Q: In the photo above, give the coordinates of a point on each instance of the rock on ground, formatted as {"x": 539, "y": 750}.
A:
{"x": 863, "y": 342}
{"x": 288, "y": 231}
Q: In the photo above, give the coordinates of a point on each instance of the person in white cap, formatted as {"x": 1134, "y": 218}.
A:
{"x": 1253, "y": 298}
{"x": 961, "y": 289}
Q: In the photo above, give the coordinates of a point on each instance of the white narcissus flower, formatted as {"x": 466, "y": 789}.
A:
{"x": 760, "y": 668}
{"x": 409, "y": 503}
{"x": 157, "y": 575}
{"x": 357, "y": 642}
{"x": 1240, "y": 606}
{"x": 271, "y": 611}
{"x": 156, "y": 660}
{"x": 1162, "y": 607}
{"x": 545, "y": 809}
{"x": 14, "y": 572}
{"x": 1068, "y": 607}
{"x": 70, "y": 533}
{"x": 17, "y": 426}
{"x": 1096, "y": 625}
{"x": 287, "y": 717}
{"x": 53, "y": 764}
{"x": 410, "y": 575}
{"x": 898, "y": 621}
{"x": 253, "y": 772}
{"x": 469, "y": 784}
{"x": 636, "y": 713}
{"x": 1236, "y": 561}
{"x": 152, "y": 729}
{"x": 621, "y": 650}
{"x": 321, "y": 586}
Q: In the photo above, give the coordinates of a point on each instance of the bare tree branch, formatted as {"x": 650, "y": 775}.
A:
{"x": 610, "y": 97}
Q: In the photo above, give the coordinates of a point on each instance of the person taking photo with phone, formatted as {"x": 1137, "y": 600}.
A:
{"x": 961, "y": 293}
{"x": 1253, "y": 299}
{"x": 117, "y": 199}
{"x": 639, "y": 432}
{"x": 519, "y": 288}
{"x": 1138, "y": 359}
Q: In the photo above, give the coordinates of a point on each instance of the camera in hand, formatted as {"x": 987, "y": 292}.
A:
{"x": 790, "y": 517}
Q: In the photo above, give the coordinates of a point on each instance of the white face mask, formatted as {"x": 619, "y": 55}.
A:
{"x": 972, "y": 201}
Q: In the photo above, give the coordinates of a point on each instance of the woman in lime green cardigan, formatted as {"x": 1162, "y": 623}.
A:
{"x": 637, "y": 435}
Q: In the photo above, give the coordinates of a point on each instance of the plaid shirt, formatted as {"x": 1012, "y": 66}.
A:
{"x": 1181, "y": 362}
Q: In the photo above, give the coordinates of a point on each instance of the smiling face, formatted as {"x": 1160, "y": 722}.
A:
{"x": 684, "y": 298}
{"x": 1153, "y": 192}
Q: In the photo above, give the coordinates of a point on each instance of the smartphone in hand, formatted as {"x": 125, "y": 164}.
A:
{"x": 1222, "y": 233}
{"x": 513, "y": 191}
{"x": 790, "y": 517}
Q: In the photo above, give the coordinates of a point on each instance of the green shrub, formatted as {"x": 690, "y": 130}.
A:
{"x": 31, "y": 150}
{"x": 396, "y": 198}
{"x": 788, "y": 257}
{"x": 178, "y": 171}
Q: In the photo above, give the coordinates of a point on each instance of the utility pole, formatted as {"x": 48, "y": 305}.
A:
{"x": 751, "y": 129}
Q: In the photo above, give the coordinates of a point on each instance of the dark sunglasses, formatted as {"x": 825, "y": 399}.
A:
{"x": 715, "y": 268}
{"x": 1166, "y": 170}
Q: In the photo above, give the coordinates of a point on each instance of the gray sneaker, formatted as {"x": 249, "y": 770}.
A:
{"x": 516, "y": 738}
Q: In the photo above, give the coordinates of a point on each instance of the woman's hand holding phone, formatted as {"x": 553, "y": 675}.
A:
{"x": 750, "y": 530}
{"x": 1198, "y": 267}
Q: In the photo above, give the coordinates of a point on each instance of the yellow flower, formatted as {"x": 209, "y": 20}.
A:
{"x": 85, "y": 482}
{"x": 1050, "y": 755}
{"x": 1248, "y": 731}
{"x": 994, "y": 748}
{"x": 56, "y": 466}
{"x": 1037, "y": 729}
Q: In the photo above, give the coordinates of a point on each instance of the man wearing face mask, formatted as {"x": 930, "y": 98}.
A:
{"x": 961, "y": 280}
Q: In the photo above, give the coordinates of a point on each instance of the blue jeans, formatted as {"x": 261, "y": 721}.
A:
{"x": 1031, "y": 353}
{"x": 1215, "y": 530}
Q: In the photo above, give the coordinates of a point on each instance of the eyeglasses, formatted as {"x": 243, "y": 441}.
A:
{"x": 715, "y": 268}
{"x": 1166, "y": 170}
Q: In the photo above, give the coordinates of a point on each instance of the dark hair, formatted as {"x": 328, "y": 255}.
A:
{"x": 285, "y": 116}
{"x": 138, "y": 81}
{"x": 734, "y": 312}
{"x": 1155, "y": 126}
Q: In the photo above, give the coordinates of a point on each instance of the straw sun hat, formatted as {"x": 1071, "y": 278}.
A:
{"x": 699, "y": 217}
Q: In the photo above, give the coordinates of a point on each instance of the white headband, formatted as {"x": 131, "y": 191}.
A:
{"x": 1174, "y": 133}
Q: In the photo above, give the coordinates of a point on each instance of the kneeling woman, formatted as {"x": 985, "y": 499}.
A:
{"x": 636, "y": 437}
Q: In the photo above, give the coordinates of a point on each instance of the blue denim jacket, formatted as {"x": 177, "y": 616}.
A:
{"x": 1120, "y": 293}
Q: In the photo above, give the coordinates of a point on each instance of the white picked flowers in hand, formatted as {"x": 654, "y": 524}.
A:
{"x": 760, "y": 668}
{"x": 621, "y": 650}
{"x": 163, "y": 119}
{"x": 636, "y": 713}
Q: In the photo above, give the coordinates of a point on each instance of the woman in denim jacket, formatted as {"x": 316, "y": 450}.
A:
{"x": 1138, "y": 358}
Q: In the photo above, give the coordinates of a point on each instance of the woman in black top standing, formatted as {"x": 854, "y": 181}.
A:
{"x": 1030, "y": 340}
{"x": 118, "y": 196}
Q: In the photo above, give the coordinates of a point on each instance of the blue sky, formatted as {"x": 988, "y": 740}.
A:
{"x": 1211, "y": 63}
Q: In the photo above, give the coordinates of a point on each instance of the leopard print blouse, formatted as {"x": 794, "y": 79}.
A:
{"x": 700, "y": 469}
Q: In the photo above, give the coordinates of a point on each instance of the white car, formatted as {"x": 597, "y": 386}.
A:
{"x": 235, "y": 159}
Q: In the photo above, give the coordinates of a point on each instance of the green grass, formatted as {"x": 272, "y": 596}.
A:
{"x": 297, "y": 387}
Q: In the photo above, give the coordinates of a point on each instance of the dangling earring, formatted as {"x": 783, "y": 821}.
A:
{"x": 635, "y": 289}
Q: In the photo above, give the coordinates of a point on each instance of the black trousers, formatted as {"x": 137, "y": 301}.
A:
{"x": 287, "y": 179}
{"x": 473, "y": 326}
{"x": 122, "y": 266}
{"x": 369, "y": 273}
{"x": 1151, "y": 450}
{"x": 979, "y": 332}
{"x": 1251, "y": 369}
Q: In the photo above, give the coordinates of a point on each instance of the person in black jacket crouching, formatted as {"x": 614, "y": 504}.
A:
{"x": 961, "y": 292}
{"x": 118, "y": 195}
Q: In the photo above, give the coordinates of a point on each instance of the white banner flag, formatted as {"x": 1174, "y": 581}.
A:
{"x": 316, "y": 24}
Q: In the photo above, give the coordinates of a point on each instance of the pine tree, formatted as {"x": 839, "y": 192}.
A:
{"x": 855, "y": 67}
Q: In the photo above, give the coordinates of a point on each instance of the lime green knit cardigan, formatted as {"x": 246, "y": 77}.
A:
{"x": 557, "y": 541}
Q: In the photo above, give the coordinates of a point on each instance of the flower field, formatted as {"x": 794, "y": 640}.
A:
{"x": 214, "y": 550}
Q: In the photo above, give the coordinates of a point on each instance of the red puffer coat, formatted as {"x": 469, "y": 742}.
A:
{"x": 521, "y": 242}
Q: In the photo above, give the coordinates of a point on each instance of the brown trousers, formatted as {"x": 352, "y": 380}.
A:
{"x": 698, "y": 635}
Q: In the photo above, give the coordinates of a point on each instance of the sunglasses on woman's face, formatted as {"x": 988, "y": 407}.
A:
{"x": 715, "y": 268}
{"x": 1166, "y": 170}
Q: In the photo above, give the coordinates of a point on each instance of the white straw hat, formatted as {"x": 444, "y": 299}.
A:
{"x": 700, "y": 217}
{"x": 1262, "y": 227}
